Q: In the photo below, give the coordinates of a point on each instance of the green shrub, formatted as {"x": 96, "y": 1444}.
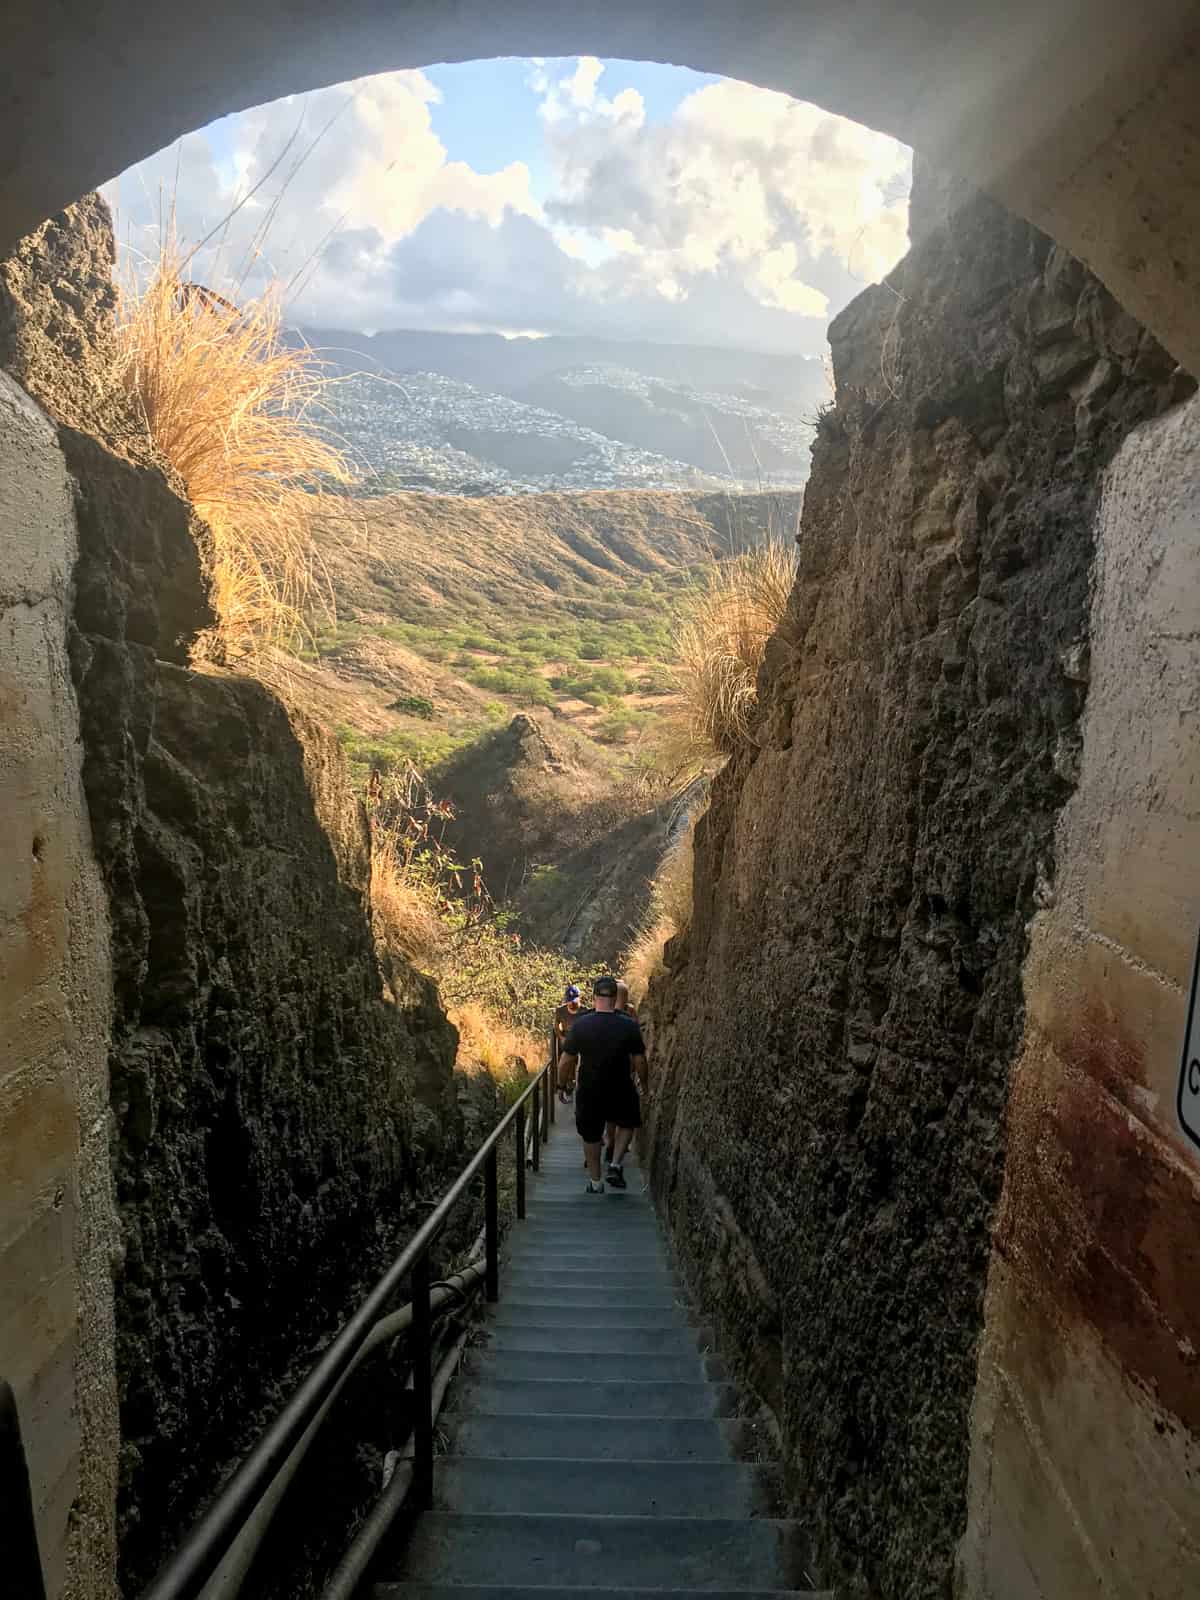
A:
{"x": 414, "y": 705}
{"x": 527, "y": 687}
{"x": 621, "y": 725}
{"x": 656, "y": 681}
{"x": 611, "y": 680}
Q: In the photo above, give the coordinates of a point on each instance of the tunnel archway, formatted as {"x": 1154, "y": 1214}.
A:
{"x": 1080, "y": 117}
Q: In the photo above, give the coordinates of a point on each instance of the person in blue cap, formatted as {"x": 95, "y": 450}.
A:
{"x": 564, "y": 1016}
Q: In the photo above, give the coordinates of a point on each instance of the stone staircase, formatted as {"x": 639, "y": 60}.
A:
{"x": 591, "y": 1444}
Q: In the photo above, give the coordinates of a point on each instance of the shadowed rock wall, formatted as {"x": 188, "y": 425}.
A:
{"x": 272, "y": 1109}
{"x": 835, "y": 1038}
{"x": 262, "y": 1089}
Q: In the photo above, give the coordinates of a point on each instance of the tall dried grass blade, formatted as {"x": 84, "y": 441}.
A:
{"x": 234, "y": 408}
{"x": 720, "y": 642}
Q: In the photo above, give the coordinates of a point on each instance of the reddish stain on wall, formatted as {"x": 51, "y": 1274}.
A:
{"x": 1102, "y": 1215}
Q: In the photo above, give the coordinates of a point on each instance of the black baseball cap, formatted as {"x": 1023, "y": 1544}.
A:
{"x": 605, "y": 986}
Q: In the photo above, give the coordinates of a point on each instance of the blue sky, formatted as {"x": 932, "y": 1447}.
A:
{"x": 615, "y": 198}
{"x": 488, "y": 107}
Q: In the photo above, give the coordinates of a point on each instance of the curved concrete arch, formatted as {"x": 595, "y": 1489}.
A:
{"x": 1081, "y": 115}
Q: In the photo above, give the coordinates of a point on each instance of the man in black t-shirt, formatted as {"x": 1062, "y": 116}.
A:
{"x": 607, "y": 1048}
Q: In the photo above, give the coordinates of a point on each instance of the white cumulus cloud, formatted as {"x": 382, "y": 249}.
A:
{"x": 743, "y": 217}
{"x": 739, "y": 178}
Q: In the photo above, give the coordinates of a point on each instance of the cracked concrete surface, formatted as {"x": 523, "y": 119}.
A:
{"x": 56, "y": 1216}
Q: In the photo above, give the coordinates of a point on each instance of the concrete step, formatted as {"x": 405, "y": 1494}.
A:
{"x": 593, "y": 1438}
{"x": 579, "y": 1397}
{"x": 587, "y": 1231}
{"x": 588, "y": 1364}
{"x": 566, "y": 1148}
{"x": 604, "y": 1488}
{"x": 563, "y": 1178}
{"x": 611, "y": 1552}
{"x": 615, "y": 1341}
{"x": 591, "y": 1296}
{"x": 512, "y": 1313}
{"x": 604, "y": 1289}
{"x": 597, "y": 1217}
{"x": 527, "y": 1274}
{"x": 609, "y": 1261}
{"x": 583, "y": 1239}
{"x": 650, "y": 1291}
{"x": 463, "y": 1591}
{"x": 598, "y": 1248}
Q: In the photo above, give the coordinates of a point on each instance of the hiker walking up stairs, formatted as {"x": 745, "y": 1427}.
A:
{"x": 590, "y": 1443}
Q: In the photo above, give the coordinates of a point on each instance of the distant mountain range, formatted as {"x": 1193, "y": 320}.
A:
{"x": 479, "y": 414}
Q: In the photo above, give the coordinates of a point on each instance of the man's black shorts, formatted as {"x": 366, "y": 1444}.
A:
{"x": 611, "y": 1098}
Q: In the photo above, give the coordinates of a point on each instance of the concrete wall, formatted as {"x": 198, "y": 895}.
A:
{"x": 1085, "y": 1458}
{"x": 56, "y": 1214}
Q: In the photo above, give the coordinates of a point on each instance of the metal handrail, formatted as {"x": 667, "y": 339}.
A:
{"x": 359, "y": 1554}
{"x": 226, "y": 1581}
{"x": 185, "y": 1571}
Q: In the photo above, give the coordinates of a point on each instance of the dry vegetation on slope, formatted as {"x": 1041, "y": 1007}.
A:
{"x": 453, "y": 613}
{"x": 569, "y": 821}
{"x": 633, "y": 621}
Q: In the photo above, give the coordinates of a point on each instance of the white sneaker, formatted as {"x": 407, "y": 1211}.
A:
{"x": 594, "y": 1188}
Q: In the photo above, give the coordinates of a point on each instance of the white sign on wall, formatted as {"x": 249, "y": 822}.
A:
{"x": 1189, "y": 1068}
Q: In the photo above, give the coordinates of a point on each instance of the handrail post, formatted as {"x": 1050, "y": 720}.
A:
{"x": 491, "y": 1230}
{"x": 422, "y": 1380}
{"x": 548, "y": 1094}
{"x": 536, "y": 1141}
{"x": 521, "y": 1163}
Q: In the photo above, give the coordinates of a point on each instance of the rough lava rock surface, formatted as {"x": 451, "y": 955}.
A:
{"x": 274, "y": 1108}
{"x": 835, "y": 1035}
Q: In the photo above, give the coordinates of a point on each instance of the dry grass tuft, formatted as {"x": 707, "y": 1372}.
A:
{"x": 404, "y": 911}
{"x": 430, "y": 910}
{"x": 407, "y": 923}
{"x": 487, "y": 1041}
{"x": 670, "y": 914}
{"x": 233, "y": 409}
{"x": 720, "y": 644}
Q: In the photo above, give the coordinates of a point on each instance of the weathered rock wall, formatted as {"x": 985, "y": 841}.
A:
{"x": 263, "y": 1091}
{"x": 835, "y": 1039}
{"x": 273, "y": 1108}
